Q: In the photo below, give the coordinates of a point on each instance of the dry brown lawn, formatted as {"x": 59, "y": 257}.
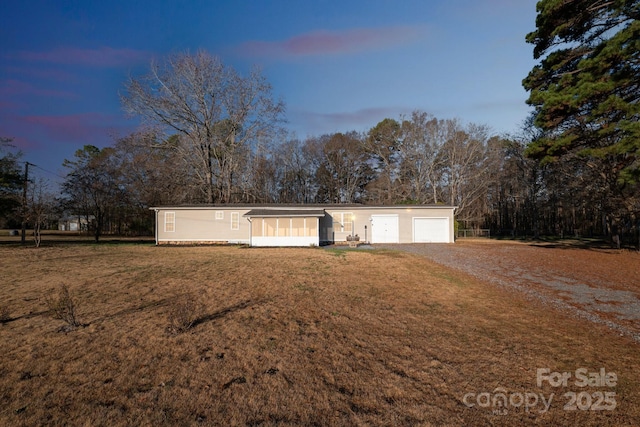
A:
{"x": 289, "y": 337}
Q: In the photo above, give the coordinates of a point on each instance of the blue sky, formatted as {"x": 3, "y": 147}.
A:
{"x": 337, "y": 65}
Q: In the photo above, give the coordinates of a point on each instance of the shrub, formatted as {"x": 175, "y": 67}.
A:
{"x": 184, "y": 312}
{"x": 63, "y": 306}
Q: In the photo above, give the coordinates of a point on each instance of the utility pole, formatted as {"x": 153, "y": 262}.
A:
{"x": 24, "y": 203}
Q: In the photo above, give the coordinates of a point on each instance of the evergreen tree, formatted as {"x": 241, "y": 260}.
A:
{"x": 11, "y": 182}
{"x": 585, "y": 94}
{"x": 585, "y": 90}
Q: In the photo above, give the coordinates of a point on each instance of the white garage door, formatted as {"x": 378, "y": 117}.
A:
{"x": 384, "y": 229}
{"x": 431, "y": 230}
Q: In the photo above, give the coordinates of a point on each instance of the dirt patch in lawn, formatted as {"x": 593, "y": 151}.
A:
{"x": 293, "y": 337}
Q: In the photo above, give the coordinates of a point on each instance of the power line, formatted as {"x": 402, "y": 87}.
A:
{"x": 47, "y": 171}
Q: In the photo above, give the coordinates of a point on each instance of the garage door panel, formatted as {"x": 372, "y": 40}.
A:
{"x": 431, "y": 230}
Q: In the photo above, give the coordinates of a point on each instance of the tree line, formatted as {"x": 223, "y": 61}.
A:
{"x": 418, "y": 159}
{"x": 212, "y": 135}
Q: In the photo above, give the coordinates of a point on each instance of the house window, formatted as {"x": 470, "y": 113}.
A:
{"x": 235, "y": 220}
{"x": 219, "y": 215}
{"x": 284, "y": 227}
{"x": 297, "y": 227}
{"x": 270, "y": 227}
{"x": 169, "y": 222}
{"x": 347, "y": 222}
{"x": 343, "y": 222}
{"x": 312, "y": 226}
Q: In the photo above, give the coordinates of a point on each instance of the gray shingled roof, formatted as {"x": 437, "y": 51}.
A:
{"x": 284, "y": 212}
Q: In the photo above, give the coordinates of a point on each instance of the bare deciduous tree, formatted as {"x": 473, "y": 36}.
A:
{"x": 41, "y": 205}
{"x": 382, "y": 144}
{"x": 465, "y": 170}
{"x": 216, "y": 113}
{"x": 92, "y": 186}
{"x": 298, "y": 166}
{"x": 421, "y": 162}
{"x": 343, "y": 169}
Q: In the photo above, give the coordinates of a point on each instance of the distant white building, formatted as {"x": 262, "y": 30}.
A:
{"x": 74, "y": 223}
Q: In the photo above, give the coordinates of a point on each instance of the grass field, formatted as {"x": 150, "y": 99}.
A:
{"x": 290, "y": 337}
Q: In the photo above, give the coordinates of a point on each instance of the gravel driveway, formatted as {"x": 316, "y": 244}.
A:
{"x": 598, "y": 286}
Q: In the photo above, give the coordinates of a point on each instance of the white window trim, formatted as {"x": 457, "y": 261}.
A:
{"x": 345, "y": 217}
{"x": 168, "y": 215}
{"x": 219, "y": 215}
{"x": 237, "y": 221}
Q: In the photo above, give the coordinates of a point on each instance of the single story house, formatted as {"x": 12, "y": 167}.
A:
{"x": 303, "y": 225}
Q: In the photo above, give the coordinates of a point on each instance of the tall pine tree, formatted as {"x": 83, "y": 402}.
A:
{"x": 585, "y": 92}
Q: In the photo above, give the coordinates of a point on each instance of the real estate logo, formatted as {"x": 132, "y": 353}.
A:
{"x": 500, "y": 401}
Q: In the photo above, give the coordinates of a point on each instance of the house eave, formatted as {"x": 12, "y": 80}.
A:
{"x": 318, "y": 206}
{"x": 280, "y": 213}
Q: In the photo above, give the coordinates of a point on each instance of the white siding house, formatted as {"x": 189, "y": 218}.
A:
{"x": 304, "y": 225}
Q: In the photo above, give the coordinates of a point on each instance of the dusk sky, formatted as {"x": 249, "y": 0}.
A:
{"x": 337, "y": 65}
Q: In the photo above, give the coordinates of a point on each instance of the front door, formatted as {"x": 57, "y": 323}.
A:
{"x": 384, "y": 229}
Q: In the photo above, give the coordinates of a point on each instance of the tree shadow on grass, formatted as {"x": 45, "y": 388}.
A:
{"x": 166, "y": 301}
{"x": 24, "y": 316}
{"x": 223, "y": 312}
{"x": 131, "y": 310}
{"x": 58, "y": 241}
{"x": 150, "y": 305}
{"x": 598, "y": 245}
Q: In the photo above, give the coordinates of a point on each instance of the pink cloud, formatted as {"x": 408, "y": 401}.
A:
{"x": 334, "y": 42}
{"x": 13, "y": 87}
{"x": 23, "y": 144}
{"x": 12, "y": 128}
{"x": 85, "y": 128}
{"x": 100, "y": 57}
{"x": 40, "y": 73}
